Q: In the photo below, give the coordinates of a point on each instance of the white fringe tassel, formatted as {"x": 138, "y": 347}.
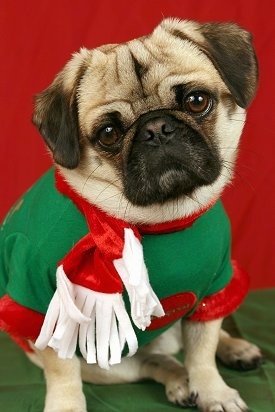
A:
{"x": 133, "y": 272}
{"x": 98, "y": 322}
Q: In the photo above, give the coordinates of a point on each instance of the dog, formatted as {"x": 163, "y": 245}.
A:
{"x": 144, "y": 136}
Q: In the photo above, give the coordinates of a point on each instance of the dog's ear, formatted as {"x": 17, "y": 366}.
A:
{"x": 56, "y": 112}
{"x": 231, "y": 51}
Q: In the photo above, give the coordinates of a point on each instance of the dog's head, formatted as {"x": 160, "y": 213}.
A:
{"x": 148, "y": 130}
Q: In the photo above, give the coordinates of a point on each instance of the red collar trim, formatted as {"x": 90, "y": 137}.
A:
{"x": 173, "y": 225}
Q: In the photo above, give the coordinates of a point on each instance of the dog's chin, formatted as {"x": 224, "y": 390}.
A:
{"x": 169, "y": 187}
{"x": 171, "y": 184}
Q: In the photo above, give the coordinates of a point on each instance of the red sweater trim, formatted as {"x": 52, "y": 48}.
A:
{"x": 173, "y": 225}
{"x": 24, "y": 324}
{"x": 218, "y": 305}
{"x": 226, "y": 301}
{"x": 21, "y": 323}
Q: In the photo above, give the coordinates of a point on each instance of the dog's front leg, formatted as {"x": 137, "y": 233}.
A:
{"x": 200, "y": 341}
{"x": 63, "y": 383}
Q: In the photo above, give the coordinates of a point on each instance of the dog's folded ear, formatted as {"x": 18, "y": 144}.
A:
{"x": 56, "y": 114}
{"x": 230, "y": 49}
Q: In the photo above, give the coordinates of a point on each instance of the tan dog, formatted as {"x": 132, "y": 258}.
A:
{"x": 148, "y": 132}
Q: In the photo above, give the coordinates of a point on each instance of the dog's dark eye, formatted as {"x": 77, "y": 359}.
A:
{"x": 198, "y": 103}
{"x": 108, "y": 135}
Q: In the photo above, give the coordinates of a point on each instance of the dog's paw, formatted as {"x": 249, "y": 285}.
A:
{"x": 177, "y": 390}
{"x": 213, "y": 395}
{"x": 225, "y": 401}
{"x": 239, "y": 354}
{"x": 65, "y": 404}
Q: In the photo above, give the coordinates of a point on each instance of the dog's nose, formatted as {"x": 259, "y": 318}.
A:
{"x": 158, "y": 130}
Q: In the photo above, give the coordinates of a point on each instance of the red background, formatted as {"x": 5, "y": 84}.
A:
{"x": 38, "y": 37}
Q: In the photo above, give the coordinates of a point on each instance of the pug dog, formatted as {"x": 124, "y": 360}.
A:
{"x": 144, "y": 137}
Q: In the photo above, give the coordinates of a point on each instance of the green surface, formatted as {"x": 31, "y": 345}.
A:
{"x": 22, "y": 386}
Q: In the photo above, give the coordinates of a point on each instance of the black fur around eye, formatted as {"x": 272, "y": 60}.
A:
{"x": 198, "y": 103}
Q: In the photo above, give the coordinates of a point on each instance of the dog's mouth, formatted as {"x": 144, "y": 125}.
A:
{"x": 168, "y": 159}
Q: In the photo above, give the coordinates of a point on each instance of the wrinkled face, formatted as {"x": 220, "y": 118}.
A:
{"x": 157, "y": 125}
{"x": 158, "y": 120}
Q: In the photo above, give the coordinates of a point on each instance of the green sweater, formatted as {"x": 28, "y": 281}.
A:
{"x": 44, "y": 225}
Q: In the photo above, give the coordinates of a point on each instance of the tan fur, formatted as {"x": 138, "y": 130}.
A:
{"x": 182, "y": 382}
{"x": 133, "y": 79}
{"x": 95, "y": 101}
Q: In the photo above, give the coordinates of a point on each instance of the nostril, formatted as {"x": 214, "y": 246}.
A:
{"x": 148, "y": 134}
{"x": 168, "y": 128}
{"x": 158, "y": 130}
{"x": 155, "y": 127}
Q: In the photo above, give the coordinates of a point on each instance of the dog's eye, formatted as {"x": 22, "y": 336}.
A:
{"x": 198, "y": 103}
{"x": 108, "y": 135}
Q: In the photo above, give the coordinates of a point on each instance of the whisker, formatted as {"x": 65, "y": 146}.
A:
{"x": 238, "y": 120}
{"x": 195, "y": 199}
{"x": 109, "y": 197}
{"x": 127, "y": 208}
{"x": 175, "y": 207}
{"x": 107, "y": 187}
{"x": 87, "y": 179}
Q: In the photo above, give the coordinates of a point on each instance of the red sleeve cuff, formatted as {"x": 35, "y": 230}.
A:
{"x": 226, "y": 301}
{"x": 21, "y": 323}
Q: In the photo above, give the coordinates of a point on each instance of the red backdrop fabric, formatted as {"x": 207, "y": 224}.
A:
{"x": 36, "y": 40}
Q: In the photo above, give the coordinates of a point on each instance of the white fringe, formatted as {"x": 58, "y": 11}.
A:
{"x": 98, "y": 322}
{"x": 133, "y": 272}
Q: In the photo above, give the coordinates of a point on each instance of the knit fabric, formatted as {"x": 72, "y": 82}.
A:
{"x": 190, "y": 270}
